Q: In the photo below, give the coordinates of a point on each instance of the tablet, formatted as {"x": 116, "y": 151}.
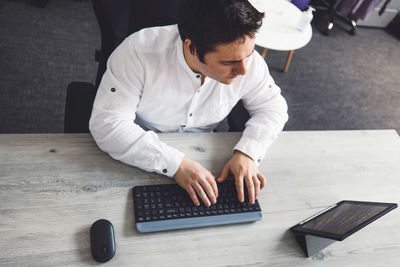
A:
{"x": 343, "y": 219}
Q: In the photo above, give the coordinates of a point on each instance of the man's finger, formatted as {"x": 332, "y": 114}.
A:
{"x": 200, "y": 192}
{"x": 256, "y": 183}
{"x": 239, "y": 187}
{"x": 250, "y": 189}
{"x": 262, "y": 179}
{"x": 209, "y": 190}
{"x": 224, "y": 174}
{"x": 193, "y": 196}
{"x": 213, "y": 184}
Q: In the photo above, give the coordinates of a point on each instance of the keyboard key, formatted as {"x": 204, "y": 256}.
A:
{"x": 171, "y": 210}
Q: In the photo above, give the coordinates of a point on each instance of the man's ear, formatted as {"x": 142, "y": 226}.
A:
{"x": 189, "y": 47}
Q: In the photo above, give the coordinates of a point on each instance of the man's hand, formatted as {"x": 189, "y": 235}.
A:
{"x": 244, "y": 169}
{"x": 197, "y": 181}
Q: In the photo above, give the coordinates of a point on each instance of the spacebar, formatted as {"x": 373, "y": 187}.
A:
{"x": 146, "y": 227}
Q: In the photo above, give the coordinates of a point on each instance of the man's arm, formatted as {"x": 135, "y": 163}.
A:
{"x": 267, "y": 109}
{"x": 112, "y": 121}
{"x": 268, "y": 114}
{"x": 113, "y": 128}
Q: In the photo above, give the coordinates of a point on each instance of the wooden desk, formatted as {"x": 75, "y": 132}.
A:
{"x": 53, "y": 187}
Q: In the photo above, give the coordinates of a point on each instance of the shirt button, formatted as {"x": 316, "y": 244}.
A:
{"x": 270, "y": 86}
{"x": 191, "y": 114}
{"x": 165, "y": 171}
{"x": 198, "y": 76}
{"x": 113, "y": 89}
{"x": 259, "y": 160}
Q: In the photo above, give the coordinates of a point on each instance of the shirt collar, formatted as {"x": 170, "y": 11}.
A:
{"x": 181, "y": 58}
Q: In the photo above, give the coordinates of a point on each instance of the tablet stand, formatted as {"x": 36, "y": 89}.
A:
{"x": 311, "y": 244}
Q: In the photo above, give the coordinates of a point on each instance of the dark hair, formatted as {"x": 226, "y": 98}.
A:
{"x": 208, "y": 23}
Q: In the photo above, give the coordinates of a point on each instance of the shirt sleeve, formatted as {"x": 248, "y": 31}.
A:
{"x": 112, "y": 121}
{"x": 267, "y": 108}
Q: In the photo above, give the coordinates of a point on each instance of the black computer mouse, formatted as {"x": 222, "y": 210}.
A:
{"x": 102, "y": 240}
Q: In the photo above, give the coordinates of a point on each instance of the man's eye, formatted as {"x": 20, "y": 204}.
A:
{"x": 226, "y": 64}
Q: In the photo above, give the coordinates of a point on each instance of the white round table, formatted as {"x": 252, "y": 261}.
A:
{"x": 280, "y": 28}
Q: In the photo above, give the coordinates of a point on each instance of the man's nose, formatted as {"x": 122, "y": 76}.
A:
{"x": 240, "y": 68}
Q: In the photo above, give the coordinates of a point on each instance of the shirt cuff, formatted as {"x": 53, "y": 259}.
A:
{"x": 170, "y": 161}
{"x": 252, "y": 148}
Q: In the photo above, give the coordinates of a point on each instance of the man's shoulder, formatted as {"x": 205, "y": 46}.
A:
{"x": 155, "y": 39}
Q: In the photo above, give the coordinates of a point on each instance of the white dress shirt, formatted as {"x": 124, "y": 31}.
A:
{"x": 148, "y": 87}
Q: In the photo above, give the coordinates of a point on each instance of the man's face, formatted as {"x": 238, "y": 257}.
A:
{"x": 227, "y": 61}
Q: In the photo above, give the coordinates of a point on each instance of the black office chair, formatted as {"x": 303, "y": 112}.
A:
{"x": 117, "y": 20}
{"x": 327, "y": 15}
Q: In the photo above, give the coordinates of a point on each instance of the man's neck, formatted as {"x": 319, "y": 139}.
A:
{"x": 189, "y": 58}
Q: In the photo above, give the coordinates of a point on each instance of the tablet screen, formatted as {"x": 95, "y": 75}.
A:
{"x": 343, "y": 218}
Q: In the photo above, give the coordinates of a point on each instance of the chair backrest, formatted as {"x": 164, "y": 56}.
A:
{"x": 78, "y": 107}
{"x": 120, "y": 18}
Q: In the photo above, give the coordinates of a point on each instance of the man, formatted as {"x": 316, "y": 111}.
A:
{"x": 187, "y": 78}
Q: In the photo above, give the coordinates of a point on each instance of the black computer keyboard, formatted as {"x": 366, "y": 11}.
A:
{"x": 168, "y": 207}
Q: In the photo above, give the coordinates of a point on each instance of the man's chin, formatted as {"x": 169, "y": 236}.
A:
{"x": 228, "y": 81}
